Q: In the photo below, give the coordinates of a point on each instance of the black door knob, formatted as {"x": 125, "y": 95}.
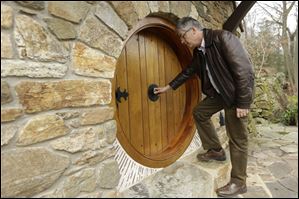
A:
{"x": 151, "y": 95}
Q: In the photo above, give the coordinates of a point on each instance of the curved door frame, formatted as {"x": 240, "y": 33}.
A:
{"x": 166, "y": 30}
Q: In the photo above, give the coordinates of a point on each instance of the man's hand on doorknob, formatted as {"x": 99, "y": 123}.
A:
{"x": 161, "y": 89}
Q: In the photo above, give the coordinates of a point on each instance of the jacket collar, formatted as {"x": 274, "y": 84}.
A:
{"x": 208, "y": 35}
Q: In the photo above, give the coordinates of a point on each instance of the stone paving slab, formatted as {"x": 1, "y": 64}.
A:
{"x": 279, "y": 191}
{"x": 220, "y": 170}
{"x": 290, "y": 183}
{"x": 180, "y": 180}
{"x": 255, "y": 192}
{"x": 273, "y": 166}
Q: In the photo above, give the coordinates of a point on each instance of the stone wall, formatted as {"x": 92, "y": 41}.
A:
{"x": 57, "y": 67}
{"x": 270, "y": 98}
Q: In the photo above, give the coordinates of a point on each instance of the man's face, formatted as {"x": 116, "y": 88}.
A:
{"x": 186, "y": 37}
{"x": 189, "y": 37}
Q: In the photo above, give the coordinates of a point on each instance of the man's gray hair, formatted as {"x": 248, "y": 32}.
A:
{"x": 186, "y": 23}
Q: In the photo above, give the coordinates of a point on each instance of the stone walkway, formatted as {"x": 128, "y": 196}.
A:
{"x": 273, "y": 163}
{"x": 272, "y": 170}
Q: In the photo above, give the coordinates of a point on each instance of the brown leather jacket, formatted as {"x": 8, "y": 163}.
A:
{"x": 229, "y": 66}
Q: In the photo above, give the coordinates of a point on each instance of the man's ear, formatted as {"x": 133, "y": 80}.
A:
{"x": 194, "y": 30}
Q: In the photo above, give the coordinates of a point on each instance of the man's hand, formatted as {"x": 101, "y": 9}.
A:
{"x": 242, "y": 112}
{"x": 161, "y": 89}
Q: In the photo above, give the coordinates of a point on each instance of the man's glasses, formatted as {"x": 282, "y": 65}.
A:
{"x": 183, "y": 35}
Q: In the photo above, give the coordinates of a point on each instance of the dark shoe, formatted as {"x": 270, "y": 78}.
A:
{"x": 212, "y": 155}
{"x": 231, "y": 189}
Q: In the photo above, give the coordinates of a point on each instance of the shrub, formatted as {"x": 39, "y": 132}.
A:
{"x": 290, "y": 115}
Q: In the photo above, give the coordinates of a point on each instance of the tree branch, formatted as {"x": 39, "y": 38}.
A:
{"x": 276, "y": 21}
{"x": 275, "y": 8}
{"x": 290, "y": 8}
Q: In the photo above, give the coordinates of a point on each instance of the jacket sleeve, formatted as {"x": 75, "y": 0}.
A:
{"x": 184, "y": 75}
{"x": 240, "y": 67}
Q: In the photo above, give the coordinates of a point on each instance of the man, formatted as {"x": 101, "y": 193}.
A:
{"x": 227, "y": 79}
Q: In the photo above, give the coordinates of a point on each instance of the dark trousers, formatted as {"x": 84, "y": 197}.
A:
{"x": 236, "y": 129}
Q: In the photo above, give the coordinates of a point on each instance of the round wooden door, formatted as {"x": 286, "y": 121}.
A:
{"x": 153, "y": 133}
